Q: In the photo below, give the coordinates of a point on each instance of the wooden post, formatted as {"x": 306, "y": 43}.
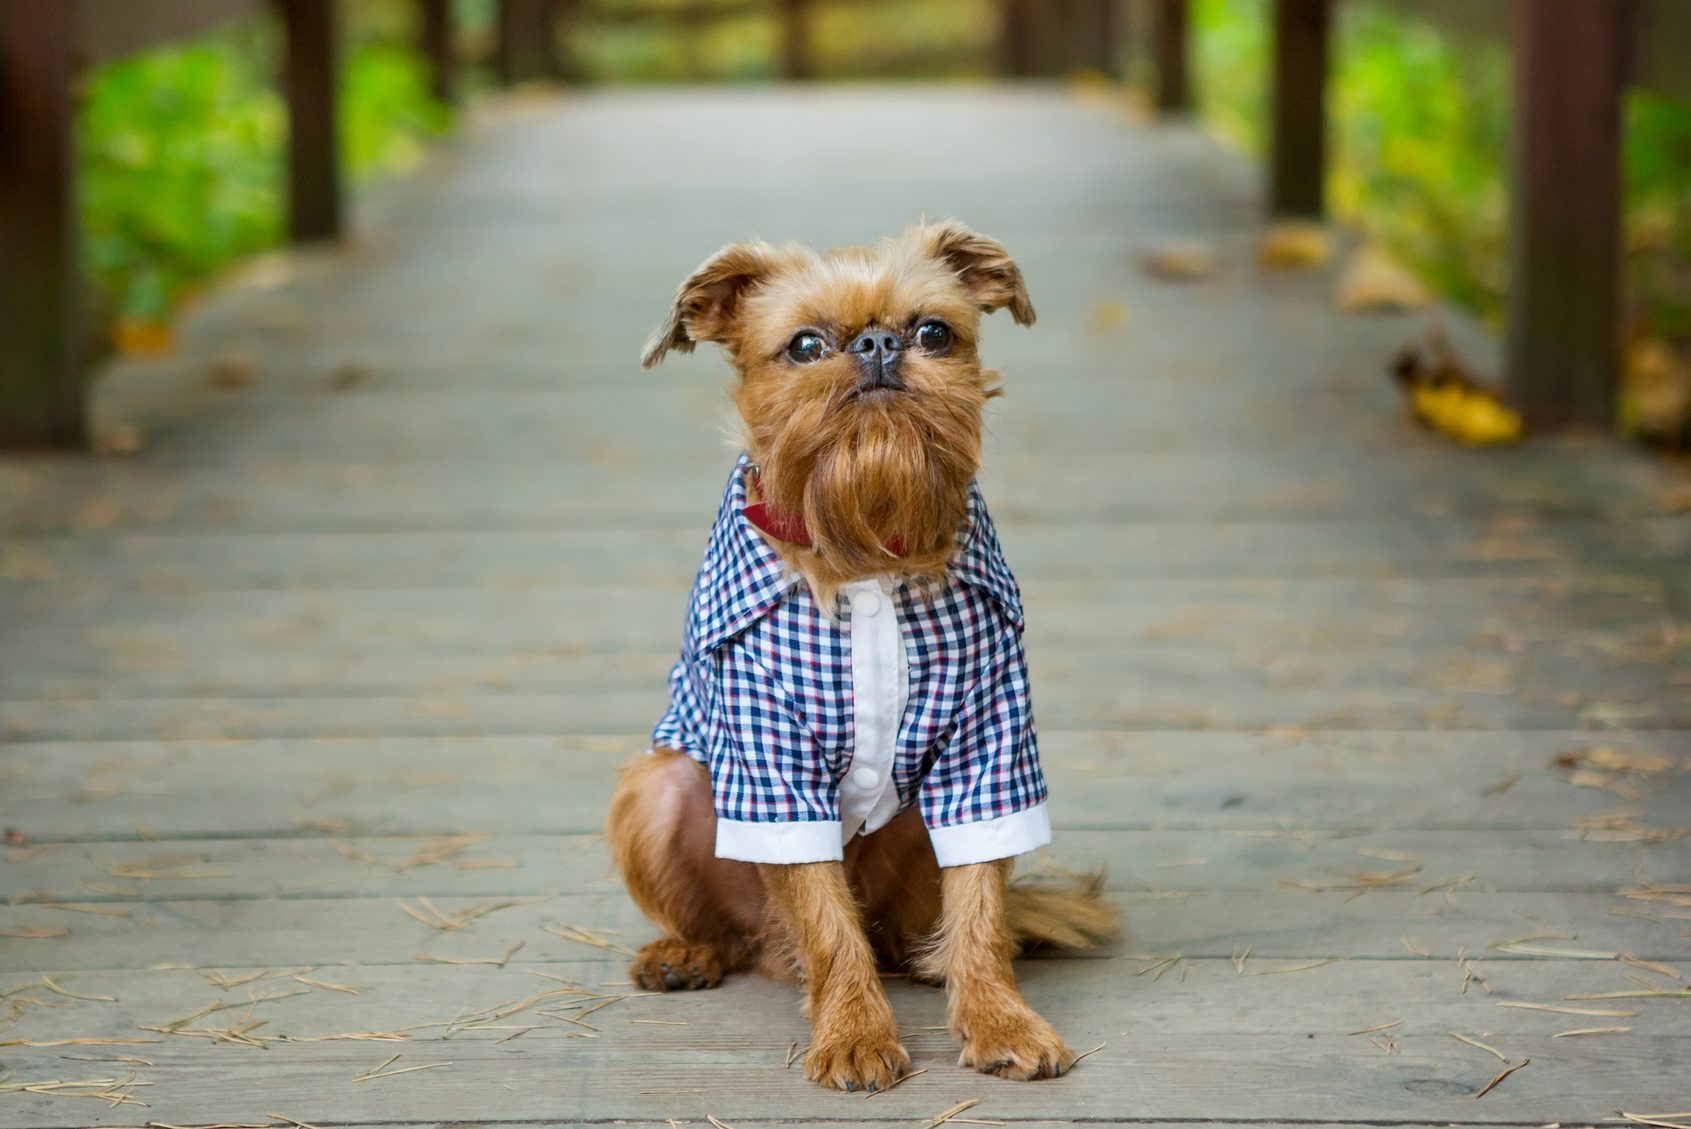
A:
{"x": 308, "y": 81}
{"x": 1016, "y": 38}
{"x": 795, "y": 40}
{"x": 437, "y": 42}
{"x": 1298, "y": 154}
{"x": 526, "y": 48}
{"x": 1563, "y": 347}
{"x": 41, "y": 379}
{"x": 1107, "y": 55}
{"x": 1174, "y": 81}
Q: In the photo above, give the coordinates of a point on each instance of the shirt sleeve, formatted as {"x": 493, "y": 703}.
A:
{"x": 775, "y": 795}
{"x": 984, "y": 798}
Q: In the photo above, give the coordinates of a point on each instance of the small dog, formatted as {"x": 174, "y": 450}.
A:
{"x": 848, "y": 763}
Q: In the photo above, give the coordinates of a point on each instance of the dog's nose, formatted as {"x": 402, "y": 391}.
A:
{"x": 878, "y": 352}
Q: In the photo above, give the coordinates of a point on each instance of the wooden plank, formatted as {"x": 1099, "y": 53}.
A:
{"x": 1286, "y": 785}
{"x": 1523, "y": 505}
{"x": 437, "y": 40}
{"x": 527, "y": 48}
{"x": 41, "y": 325}
{"x": 1203, "y": 996}
{"x": 1172, "y": 30}
{"x": 1279, "y": 926}
{"x": 1297, "y": 175}
{"x": 1270, "y": 1078}
{"x": 309, "y": 83}
{"x": 1563, "y": 340}
{"x": 1168, "y": 860}
{"x": 107, "y": 30}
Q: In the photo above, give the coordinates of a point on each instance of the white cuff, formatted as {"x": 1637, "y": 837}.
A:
{"x": 988, "y": 839}
{"x": 790, "y": 842}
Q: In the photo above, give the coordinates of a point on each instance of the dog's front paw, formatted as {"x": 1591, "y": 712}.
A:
{"x": 670, "y": 964}
{"x": 856, "y": 1054}
{"x": 1018, "y": 1044}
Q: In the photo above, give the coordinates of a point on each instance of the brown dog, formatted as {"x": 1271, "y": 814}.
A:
{"x": 849, "y": 759}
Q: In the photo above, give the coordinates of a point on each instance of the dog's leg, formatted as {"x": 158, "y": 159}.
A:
{"x": 854, "y": 1040}
{"x": 1000, "y": 1033}
{"x": 662, "y": 832}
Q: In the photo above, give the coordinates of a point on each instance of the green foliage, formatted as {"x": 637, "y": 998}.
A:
{"x": 182, "y": 151}
{"x": 894, "y": 39}
{"x": 181, "y": 173}
{"x": 1420, "y": 151}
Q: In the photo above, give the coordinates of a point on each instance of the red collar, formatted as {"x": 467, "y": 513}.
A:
{"x": 785, "y": 527}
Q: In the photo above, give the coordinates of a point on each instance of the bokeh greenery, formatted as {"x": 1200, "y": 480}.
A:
{"x": 182, "y": 147}
{"x": 1420, "y": 160}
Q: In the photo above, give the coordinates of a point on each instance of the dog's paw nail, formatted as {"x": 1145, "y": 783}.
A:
{"x": 851, "y": 1087}
{"x": 874, "y": 1087}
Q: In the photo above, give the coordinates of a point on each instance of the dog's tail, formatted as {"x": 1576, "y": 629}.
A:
{"x": 1064, "y": 911}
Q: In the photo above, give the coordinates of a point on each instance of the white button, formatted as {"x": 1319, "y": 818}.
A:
{"x": 865, "y": 604}
{"x": 864, "y": 777}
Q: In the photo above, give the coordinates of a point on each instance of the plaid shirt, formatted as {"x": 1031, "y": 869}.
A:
{"x": 816, "y": 728}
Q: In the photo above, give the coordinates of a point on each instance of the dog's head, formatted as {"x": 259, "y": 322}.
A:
{"x": 859, "y": 384}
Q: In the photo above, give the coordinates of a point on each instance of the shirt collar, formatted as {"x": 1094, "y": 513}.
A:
{"x": 742, "y": 577}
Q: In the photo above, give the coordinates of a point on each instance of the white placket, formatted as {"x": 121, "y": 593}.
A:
{"x": 880, "y": 682}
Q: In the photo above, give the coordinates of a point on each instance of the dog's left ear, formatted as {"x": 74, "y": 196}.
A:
{"x": 704, "y": 306}
{"x": 987, "y": 270}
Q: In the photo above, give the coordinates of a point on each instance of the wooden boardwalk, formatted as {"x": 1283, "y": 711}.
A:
{"x": 311, "y": 709}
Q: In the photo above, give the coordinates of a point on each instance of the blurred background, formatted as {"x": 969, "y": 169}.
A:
{"x": 182, "y": 143}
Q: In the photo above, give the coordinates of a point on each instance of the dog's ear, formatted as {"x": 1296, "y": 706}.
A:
{"x": 987, "y": 270}
{"x": 704, "y": 306}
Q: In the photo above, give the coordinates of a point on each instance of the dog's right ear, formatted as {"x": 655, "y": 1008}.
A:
{"x": 704, "y": 306}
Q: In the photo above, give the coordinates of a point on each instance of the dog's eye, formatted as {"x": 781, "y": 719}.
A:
{"x": 934, "y": 337}
{"x": 806, "y": 348}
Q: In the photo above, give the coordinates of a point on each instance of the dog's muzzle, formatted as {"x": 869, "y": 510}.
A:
{"x": 878, "y": 353}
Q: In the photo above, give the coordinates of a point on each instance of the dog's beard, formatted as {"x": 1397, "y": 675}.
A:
{"x": 880, "y": 482}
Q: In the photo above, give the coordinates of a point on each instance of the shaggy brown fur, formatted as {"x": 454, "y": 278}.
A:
{"x": 880, "y": 478}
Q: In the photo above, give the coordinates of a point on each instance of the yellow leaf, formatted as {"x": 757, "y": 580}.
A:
{"x": 1294, "y": 245}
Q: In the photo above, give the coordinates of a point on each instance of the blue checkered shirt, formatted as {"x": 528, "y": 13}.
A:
{"x": 763, "y": 697}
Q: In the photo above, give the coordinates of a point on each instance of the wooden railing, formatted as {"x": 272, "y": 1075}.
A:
{"x": 43, "y": 46}
{"x": 1574, "y": 58}
{"x": 1573, "y": 61}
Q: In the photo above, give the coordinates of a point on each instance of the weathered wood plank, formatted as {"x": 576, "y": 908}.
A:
{"x": 1283, "y": 783}
{"x": 1279, "y": 1078}
{"x": 1215, "y": 995}
{"x": 1168, "y": 860}
{"x": 1284, "y": 924}
{"x": 1532, "y": 494}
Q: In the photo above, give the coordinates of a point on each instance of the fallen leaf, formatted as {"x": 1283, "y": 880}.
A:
{"x": 1107, "y": 316}
{"x": 1181, "y": 260}
{"x": 1374, "y": 282}
{"x": 1294, "y": 245}
{"x": 234, "y": 370}
{"x": 118, "y": 439}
